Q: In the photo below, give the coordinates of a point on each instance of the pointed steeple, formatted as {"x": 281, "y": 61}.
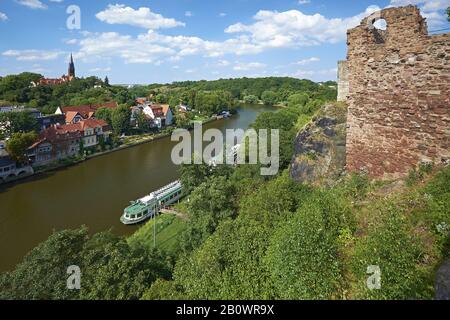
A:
{"x": 71, "y": 73}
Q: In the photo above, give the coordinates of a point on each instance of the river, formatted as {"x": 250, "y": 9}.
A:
{"x": 93, "y": 193}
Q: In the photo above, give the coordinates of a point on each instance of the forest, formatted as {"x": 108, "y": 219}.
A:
{"x": 207, "y": 97}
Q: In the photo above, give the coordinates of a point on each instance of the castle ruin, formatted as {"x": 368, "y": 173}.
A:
{"x": 397, "y": 86}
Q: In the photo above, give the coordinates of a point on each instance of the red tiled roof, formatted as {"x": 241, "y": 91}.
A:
{"x": 160, "y": 110}
{"x": 59, "y": 133}
{"x": 87, "y": 111}
{"x": 70, "y": 115}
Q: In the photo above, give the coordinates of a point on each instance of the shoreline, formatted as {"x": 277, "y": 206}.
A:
{"x": 56, "y": 167}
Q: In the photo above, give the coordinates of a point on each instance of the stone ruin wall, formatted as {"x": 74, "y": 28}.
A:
{"x": 398, "y": 94}
{"x": 343, "y": 86}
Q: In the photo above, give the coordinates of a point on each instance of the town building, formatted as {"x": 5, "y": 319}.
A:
{"x": 64, "y": 78}
{"x": 74, "y": 114}
{"x": 62, "y": 141}
{"x": 46, "y": 122}
{"x": 160, "y": 115}
{"x": 9, "y": 170}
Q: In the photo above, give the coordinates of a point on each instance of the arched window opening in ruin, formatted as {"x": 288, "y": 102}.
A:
{"x": 379, "y": 30}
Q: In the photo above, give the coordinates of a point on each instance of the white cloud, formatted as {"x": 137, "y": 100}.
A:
{"x": 33, "y": 55}
{"x": 248, "y": 66}
{"x": 70, "y": 41}
{"x": 293, "y": 28}
{"x": 272, "y": 29}
{"x": 3, "y": 17}
{"x": 304, "y": 1}
{"x": 307, "y": 61}
{"x": 314, "y": 73}
{"x": 142, "y": 17}
{"x": 107, "y": 69}
{"x": 33, "y": 4}
{"x": 222, "y": 14}
{"x": 188, "y": 14}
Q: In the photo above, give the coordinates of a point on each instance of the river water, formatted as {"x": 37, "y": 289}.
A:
{"x": 93, "y": 193}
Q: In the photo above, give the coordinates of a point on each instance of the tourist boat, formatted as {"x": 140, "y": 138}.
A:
{"x": 148, "y": 206}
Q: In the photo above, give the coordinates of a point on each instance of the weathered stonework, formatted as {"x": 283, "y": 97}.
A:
{"x": 343, "y": 85}
{"x": 399, "y": 94}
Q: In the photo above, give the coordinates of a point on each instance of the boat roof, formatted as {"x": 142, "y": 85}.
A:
{"x": 136, "y": 208}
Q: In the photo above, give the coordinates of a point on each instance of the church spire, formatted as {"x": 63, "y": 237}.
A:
{"x": 71, "y": 73}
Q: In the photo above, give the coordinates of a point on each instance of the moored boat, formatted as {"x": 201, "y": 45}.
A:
{"x": 148, "y": 206}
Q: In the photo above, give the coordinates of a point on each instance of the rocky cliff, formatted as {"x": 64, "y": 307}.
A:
{"x": 319, "y": 156}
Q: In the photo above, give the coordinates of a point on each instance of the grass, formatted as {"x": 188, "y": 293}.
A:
{"x": 168, "y": 232}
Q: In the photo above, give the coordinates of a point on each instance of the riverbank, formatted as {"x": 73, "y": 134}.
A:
{"x": 129, "y": 142}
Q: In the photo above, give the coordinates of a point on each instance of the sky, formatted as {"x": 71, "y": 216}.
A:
{"x": 161, "y": 41}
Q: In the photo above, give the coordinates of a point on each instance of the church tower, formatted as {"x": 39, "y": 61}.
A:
{"x": 71, "y": 73}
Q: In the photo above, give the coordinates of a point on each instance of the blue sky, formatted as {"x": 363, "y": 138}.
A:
{"x": 171, "y": 40}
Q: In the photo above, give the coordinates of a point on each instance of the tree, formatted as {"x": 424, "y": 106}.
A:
{"x": 251, "y": 99}
{"x": 106, "y": 81}
{"x": 303, "y": 257}
{"x": 298, "y": 100}
{"x": 193, "y": 175}
{"x": 14, "y": 122}
{"x": 448, "y": 14}
{"x": 120, "y": 119}
{"x": 111, "y": 269}
{"x": 18, "y": 144}
{"x": 141, "y": 121}
{"x": 104, "y": 114}
{"x": 269, "y": 98}
{"x": 210, "y": 203}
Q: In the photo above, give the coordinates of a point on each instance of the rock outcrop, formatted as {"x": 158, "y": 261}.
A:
{"x": 319, "y": 156}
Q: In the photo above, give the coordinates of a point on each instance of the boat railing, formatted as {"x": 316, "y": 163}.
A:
{"x": 167, "y": 188}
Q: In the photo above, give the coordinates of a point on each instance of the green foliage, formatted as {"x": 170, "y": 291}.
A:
{"x": 43, "y": 272}
{"x": 120, "y": 120}
{"x": 110, "y": 268}
{"x": 251, "y": 99}
{"x": 18, "y": 144}
{"x": 298, "y": 100}
{"x": 169, "y": 230}
{"x": 193, "y": 175}
{"x": 269, "y": 98}
{"x": 104, "y": 114}
{"x": 209, "y": 204}
{"x": 391, "y": 246}
{"x": 14, "y": 122}
{"x": 303, "y": 256}
{"x": 163, "y": 290}
{"x": 357, "y": 185}
{"x": 17, "y": 89}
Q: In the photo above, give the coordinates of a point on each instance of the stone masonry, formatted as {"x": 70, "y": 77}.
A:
{"x": 399, "y": 94}
{"x": 342, "y": 81}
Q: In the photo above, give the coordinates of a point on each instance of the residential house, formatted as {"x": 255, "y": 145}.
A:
{"x": 55, "y": 143}
{"x": 63, "y": 141}
{"x": 141, "y": 100}
{"x": 9, "y": 170}
{"x": 159, "y": 114}
{"x": 92, "y": 131}
{"x": 46, "y": 122}
{"x": 75, "y": 114}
